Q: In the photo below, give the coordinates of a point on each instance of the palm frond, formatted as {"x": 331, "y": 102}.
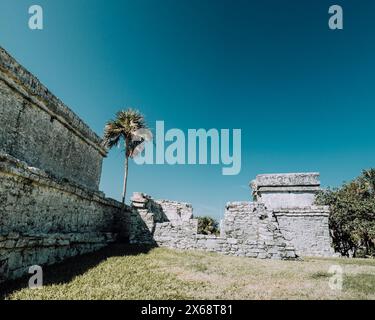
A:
{"x": 124, "y": 127}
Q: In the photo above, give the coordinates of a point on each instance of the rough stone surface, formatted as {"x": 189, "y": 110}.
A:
{"x": 301, "y": 179}
{"x": 291, "y": 197}
{"x": 176, "y": 212}
{"x": 282, "y": 223}
{"x": 307, "y": 230}
{"x": 39, "y": 129}
{"x": 286, "y": 190}
{"x": 50, "y": 166}
{"x": 248, "y": 229}
{"x": 43, "y": 221}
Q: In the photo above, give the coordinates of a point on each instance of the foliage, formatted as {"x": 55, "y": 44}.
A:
{"x": 352, "y": 219}
{"x": 126, "y": 127}
{"x": 208, "y": 226}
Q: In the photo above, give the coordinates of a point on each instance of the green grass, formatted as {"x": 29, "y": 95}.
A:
{"x": 123, "y": 272}
{"x": 362, "y": 283}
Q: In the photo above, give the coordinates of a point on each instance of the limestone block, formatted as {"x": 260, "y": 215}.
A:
{"x": 286, "y": 190}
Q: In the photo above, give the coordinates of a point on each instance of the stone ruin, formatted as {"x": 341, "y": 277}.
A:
{"x": 291, "y": 199}
{"x": 282, "y": 222}
{"x": 51, "y": 208}
{"x": 50, "y": 168}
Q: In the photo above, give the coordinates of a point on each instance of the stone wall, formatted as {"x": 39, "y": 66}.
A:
{"x": 50, "y": 166}
{"x": 253, "y": 231}
{"x": 291, "y": 197}
{"x": 177, "y": 236}
{"x": 281, "y": 223}
{"x": 248, "y": 230}
{"x": 288, "y": 190}
{"x": 43, "y": 221}
{"x": 39, "y": 129}
{"x": 307, "y": 230}
{"x": 176, "y": 212}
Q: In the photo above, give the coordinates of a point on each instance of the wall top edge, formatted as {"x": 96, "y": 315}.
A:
{"x": 286, "y": 179}
{"x": 15, "y": 167}
{"x": 14, "y": 72}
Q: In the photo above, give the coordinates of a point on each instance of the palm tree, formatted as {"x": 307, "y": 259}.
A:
{"x": 125, "y": 127}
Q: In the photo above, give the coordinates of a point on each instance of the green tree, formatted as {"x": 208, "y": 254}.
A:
{"x": 125, "y": 128}
{"x": 368, "y": 181}
{"x": 352, "y": 218}
{"x": 208, "y": 226}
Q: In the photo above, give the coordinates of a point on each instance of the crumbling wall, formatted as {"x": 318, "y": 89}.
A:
{"x": 281, "y": 223}
{"x": 254, "y": 231}
{"x": 249, "y": 230}
{"x": 176, "y": 212}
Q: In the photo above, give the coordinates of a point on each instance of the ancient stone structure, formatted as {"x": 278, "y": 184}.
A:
{"x": 291, "y": 198}
{"x": 50, "y": 166}
{"x": 281, "y": 223}
{"x": 33, "y": 121}
{"x": 51, "y": 208}
{"x": 248, "y": 229}
{"x": 291, "y": 190}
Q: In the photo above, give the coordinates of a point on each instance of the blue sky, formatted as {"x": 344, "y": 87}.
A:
{"x": 302, "y": 94}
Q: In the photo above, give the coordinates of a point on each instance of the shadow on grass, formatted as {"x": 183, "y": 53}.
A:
{"x": 67, "y": 270}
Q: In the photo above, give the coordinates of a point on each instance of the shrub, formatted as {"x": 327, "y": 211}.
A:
{"x": 208, "y": 226}
{"x": 352, "y": 218}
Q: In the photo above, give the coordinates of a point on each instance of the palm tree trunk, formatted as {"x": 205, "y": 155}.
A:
{"x": 125, "y": 181}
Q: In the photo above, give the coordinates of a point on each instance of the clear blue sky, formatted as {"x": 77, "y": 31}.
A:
{"x": 303, "y": 95}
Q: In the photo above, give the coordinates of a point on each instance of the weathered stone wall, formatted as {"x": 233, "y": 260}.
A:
{"x": 178, "y": 236}
{"x": 155, "y": 217}
{"x": 307, "y": 230}
{"x": 145, "y": 214}
{"x": 255, "y": 230}
{"x": 248, "y": 230}
{"x": 283, "y": 221}
{"x": 43, "y": 221}
{"x": 39, "y": 129}
{"x": 176, "y": 212}
{"x": 291, "y": 197}
{"x": 50, "y": 166}
{"x": 287, "y": 190}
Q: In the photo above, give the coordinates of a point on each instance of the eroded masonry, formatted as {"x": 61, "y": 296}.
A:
{"x": 51, "y": 207}
{"x": 282, "y": 222}
{"x": 50, "y": 167}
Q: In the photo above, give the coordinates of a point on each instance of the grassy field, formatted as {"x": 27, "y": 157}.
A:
{"x": 121, "y": 272}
